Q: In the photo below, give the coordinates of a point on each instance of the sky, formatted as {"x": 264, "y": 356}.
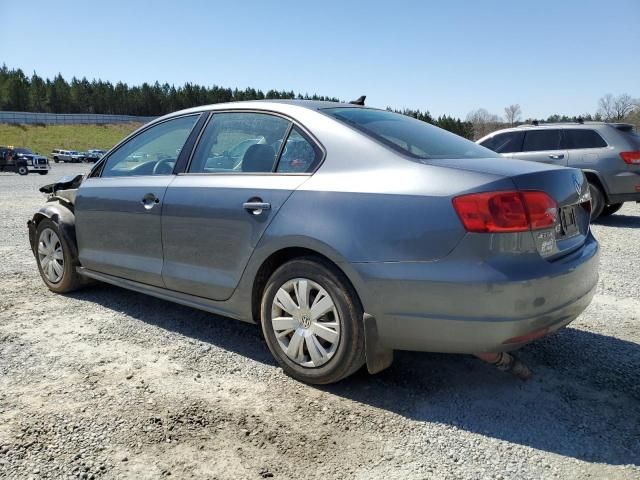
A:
{"x": 448, "y": 57}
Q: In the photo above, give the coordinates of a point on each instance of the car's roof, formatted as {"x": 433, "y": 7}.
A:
{"x": 269, "y": 105}
{"x": 559, "y": 125}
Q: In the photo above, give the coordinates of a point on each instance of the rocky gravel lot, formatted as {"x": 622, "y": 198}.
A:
{"x": 106, "y": 383}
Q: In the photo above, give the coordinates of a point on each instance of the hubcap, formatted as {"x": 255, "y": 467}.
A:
{"x": 50, "y": 255}
{"x": 306, "y": 322}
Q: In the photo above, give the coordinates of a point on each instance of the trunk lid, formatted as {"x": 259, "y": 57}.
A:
{"x": 567, "y": 186}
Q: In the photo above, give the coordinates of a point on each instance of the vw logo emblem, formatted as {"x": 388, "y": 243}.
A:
{"x": 576, "y": 184}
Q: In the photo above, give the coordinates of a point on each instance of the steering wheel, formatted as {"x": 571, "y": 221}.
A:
{"x": 164, "y": 167}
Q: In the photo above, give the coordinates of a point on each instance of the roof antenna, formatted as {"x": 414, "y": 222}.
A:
{"x": 359, "y": 101}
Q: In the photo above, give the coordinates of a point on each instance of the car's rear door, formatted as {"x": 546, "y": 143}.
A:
{"x": 216, "y": 211}
{"x": 118, "y": 208}
{"x": 543, "y": 145}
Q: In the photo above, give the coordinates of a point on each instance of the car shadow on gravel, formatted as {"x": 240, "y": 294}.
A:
{"x": 621, "y": 221}
{"x": 583, "y": 401}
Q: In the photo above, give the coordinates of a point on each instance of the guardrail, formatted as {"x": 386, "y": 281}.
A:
{"x": 68, "y": 118}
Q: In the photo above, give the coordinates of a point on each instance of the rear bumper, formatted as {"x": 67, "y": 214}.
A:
{"x": 447, "y": 306}
{"x": 39, "y": 168}
{"x": 623, "y": 186}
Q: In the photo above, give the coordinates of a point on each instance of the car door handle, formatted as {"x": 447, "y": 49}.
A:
{"x": 256, "y": 206}
{"x": 149, "y": 200}
{"x": 556, "y": 156}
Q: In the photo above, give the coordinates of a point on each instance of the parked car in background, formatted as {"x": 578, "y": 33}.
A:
{"x": 22, "y": 161}
{"x": 93, "y": 155}
{"x": 607, "y": 153}
{"x": 76, "y": 156}
{"x": 346, "y": 232}
{"x": 67, "y": 156}
{"x": 60, "y": 155}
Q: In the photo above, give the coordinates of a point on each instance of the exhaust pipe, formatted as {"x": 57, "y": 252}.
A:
{"x": 506, "y": 362}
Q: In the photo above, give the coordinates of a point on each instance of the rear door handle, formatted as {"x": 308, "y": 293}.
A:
{"x": 256, "y": 206}
{"x": 557, "y": 157}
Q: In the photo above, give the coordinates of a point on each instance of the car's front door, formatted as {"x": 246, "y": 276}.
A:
{"x": 118, "y": 211}
{"x": 216, "y": 212}
{"x": 543, "y": 145}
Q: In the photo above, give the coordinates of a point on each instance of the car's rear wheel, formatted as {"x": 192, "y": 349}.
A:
{"x": 55, "y": 261}
{"x": 22, "y": 170}
{"x": 312, "y": 321}
{"x": 611, "y": 209}
{"x": 597, "y": 201}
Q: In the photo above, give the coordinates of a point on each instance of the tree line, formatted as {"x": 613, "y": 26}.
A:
{"x": 611, "y": 108}
{"x": 21, "y": 93}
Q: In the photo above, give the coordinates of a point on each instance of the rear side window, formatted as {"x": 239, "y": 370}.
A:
{"x": 407, "y": 135}
{"x": 240, "y": 142}
{"x": 299, "y": 155}
{"x": 508, "y": 142}
{"x": 582, "y": 138}
{"x": 539, "y": 140}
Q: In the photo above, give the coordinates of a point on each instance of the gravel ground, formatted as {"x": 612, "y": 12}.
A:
{"x": 106, "y": 383}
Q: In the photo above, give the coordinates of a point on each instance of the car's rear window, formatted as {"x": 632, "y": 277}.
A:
{"x": 407, "y": 135}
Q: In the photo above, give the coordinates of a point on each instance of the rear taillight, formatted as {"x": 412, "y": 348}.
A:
{"x": 632, "y": 158}
{"x": 507, "y": 211}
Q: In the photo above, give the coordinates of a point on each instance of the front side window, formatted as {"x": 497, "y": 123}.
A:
{"x": 153, "y": 152}
{"x": 508, "y": 142}
{"x": 239, "y": 143}
{"x": 582, "y": 138}
{"x": 540, "y": 140}
{"x": 407, "y": 135}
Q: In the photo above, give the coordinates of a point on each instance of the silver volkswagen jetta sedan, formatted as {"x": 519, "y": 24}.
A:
{"x": 347, "y": 232}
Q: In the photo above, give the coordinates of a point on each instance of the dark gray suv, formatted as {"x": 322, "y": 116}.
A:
{"x": 607, "y": 153}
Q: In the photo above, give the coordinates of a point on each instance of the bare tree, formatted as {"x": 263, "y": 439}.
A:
{"x": 616, "y": 108}
{"x": 512, "y": 114}
{"x": 483, "y": 122}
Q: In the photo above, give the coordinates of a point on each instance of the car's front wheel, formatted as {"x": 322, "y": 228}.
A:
{"x": 312, "y": 321}
{"x": 55, "y": 260}
{"x": 22, "y": 170}
{"x": 611, "y": 209}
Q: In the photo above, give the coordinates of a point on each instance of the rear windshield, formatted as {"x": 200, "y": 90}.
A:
{"x": 407, "y": 135}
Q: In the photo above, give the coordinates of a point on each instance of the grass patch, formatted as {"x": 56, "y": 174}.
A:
{"x": 44, "y": 138}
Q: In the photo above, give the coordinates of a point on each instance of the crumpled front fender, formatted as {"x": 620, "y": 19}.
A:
{"x": 63, "y": 216}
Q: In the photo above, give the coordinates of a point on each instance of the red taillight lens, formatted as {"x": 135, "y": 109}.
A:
{"x": 632, "y": 158}
{"x": 510, "y": 211}
{"x": 542, "y": 209}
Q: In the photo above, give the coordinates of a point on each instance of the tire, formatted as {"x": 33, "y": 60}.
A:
{"x": 611, "y": 209}
{"x": 597, "y": 201}
{"x": 69, "y": 280}
{"x": 56, "y": 159}
{"x": 22, "y": 170}
{"x": 341, "y": 326}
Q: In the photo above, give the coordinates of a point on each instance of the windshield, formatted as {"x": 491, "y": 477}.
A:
{"x": 407, "y": 135}
{"x": 24, "y": 151}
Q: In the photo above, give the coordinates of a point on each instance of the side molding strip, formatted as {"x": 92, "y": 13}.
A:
{"x": 200, "y": 303}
